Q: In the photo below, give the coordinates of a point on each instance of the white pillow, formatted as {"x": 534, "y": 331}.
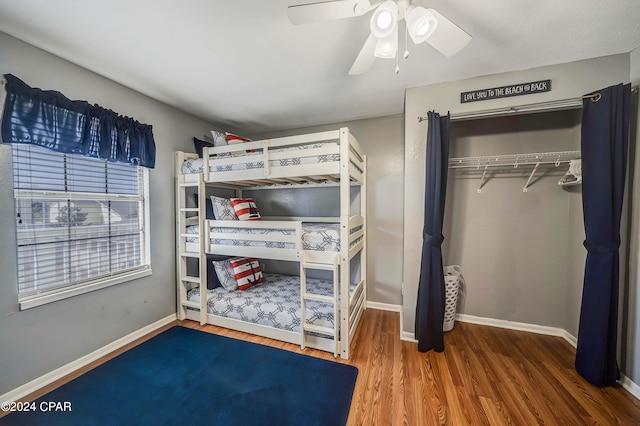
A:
{"x": 223, "y": 208}
{"x": 219, "y": 138}
{"x": 226, "y": 275}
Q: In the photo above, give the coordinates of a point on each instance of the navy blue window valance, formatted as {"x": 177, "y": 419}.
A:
{"x": 49, "y": 119}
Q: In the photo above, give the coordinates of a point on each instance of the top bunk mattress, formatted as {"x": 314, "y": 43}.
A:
{"x": 196, "y": 165}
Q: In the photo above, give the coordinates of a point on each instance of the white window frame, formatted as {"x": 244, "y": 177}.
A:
{"x": 78, "y": 288}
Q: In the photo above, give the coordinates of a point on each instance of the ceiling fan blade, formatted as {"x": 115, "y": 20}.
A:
{"x": 365, "y": 58}
{"x": 448, "y": 38}
{"x": 327, "y": 11}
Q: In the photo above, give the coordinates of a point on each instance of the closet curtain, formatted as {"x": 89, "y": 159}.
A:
{"x": 605, "y": 133}
{"x": 51, "y": 120}
{"x": 431, "y": 291}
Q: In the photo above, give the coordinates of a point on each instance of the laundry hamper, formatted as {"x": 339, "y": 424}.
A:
{"x": 452, "y": 281}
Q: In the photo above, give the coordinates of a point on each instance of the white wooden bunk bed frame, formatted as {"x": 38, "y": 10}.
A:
{"x": 349, "y": 170}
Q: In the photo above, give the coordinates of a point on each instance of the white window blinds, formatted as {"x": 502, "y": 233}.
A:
{"x": 79, "y": 219}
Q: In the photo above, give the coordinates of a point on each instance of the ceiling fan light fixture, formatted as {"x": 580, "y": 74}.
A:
{"x": 420, "y": 23}
{"x": 384, "y": 19}
{"x": 387, "y": 47}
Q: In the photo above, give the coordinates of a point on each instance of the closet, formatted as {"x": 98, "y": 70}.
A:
{"x": 514, "y": 231}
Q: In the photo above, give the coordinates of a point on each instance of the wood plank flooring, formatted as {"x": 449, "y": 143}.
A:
{"x": 485, "y": 376}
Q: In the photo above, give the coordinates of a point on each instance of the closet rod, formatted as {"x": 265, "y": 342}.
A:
{"x": 539, "y": 106}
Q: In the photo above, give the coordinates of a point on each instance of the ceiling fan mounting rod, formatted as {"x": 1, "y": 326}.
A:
{"x": 364, "y": 6}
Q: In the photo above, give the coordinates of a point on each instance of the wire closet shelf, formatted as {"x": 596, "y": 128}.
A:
{"x": 514, "y": 160}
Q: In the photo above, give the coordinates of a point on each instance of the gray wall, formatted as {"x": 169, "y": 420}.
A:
{"x": 568, "y": 81}
{"x": 382, "y": 141}
{"x": 630, "y": 305}
{"x": 39, "y": 340}
{"x": 512, "y": 245}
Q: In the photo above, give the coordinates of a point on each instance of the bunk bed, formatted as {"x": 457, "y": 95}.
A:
{"x": 319, "y": 313}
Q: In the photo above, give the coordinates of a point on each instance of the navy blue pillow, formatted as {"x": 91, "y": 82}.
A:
{"x": 200, "y": 144}
{"x": 209, "y": 215}
{"x": 212, "y": 277}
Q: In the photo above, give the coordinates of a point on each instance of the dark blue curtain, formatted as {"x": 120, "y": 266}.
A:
{"x": 431, "y": 291}
{"x": 50, "y": 120}
{"x": 605, "y": 134}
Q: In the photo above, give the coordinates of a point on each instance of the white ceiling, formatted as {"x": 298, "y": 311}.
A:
{"x": 241, "y": 64}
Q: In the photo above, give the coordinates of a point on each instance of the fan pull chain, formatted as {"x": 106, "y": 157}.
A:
{"x": 406, "y": 42}
{"x": 406, "y": 49}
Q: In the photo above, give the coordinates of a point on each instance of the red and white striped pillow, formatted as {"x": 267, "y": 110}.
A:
{"x": 247, "y": 272}
{"x": 245, "y": 208}
{"x": 235, "y": 139}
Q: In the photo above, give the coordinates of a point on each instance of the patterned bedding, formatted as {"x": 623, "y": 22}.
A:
{"x": 276, "y": 303}
{"x": 196, "y": 165}
{"x": 315, "y": 236}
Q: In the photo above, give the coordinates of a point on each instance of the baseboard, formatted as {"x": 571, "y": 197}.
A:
{"x": 521, "y": 326}
{"x": 408, "y": 336}
{"x": 383, "y": 306}
{"x": 61, "y": 372}
{"x": 511, "y": 325}
{"x": 633, "y": 388}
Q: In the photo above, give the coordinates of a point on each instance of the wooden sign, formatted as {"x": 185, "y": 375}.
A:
{"x": 506, "y": 91}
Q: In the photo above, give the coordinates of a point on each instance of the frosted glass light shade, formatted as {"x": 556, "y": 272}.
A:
{"x": 388, "y": 46}
{"x": 384, "y": 19}
{"x": 420, "y": 23}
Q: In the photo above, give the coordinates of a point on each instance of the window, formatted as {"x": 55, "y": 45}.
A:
{"x": 81, "y": 223}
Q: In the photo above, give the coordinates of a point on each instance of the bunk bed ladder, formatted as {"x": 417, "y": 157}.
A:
{"x": 186, "y": 215}
{"x": 306, "y": 296}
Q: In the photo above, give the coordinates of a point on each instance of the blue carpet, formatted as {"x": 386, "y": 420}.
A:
{"x": 186, "y": 376}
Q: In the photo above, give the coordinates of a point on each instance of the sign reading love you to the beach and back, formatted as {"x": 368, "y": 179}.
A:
{"x": 506, "y": 91}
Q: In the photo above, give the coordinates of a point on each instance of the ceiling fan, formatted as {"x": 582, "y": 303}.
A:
{"x": 422, "y": 24}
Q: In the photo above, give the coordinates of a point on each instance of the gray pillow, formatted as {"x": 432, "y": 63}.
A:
{"x": 223, "y": 208}
{"x": 225, "y": 274}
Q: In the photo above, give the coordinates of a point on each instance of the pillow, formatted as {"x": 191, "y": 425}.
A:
{"x": 200, "y": 144}
{"x": 209, "y": 214}
{"x": 212, "y": 276}
{"x": 247, "y": 272}
{"x": 223, "y": 209}
{"x": 235, "y": 139}
{"x": 245, "y": 208}
{"x": 225, "y": 274}
{"x": 219, "y": 138}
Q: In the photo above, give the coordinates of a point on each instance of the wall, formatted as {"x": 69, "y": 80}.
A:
{"x": 568, "y": 81}
{"x": 512, "y": 245}
{"x": 39, "y": 340}
{"x": 382, "y": 141}
{"x": 630, "y": 333}
{"x": 577, "y": 255}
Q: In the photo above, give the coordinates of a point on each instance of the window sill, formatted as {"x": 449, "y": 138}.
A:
{"x": 42, "y": 299}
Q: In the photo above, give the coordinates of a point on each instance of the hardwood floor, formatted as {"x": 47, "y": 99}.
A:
{"x": 485, "y": 376}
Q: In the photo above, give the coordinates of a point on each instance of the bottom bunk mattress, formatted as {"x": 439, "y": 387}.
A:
{"x": 275, "y": 303}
